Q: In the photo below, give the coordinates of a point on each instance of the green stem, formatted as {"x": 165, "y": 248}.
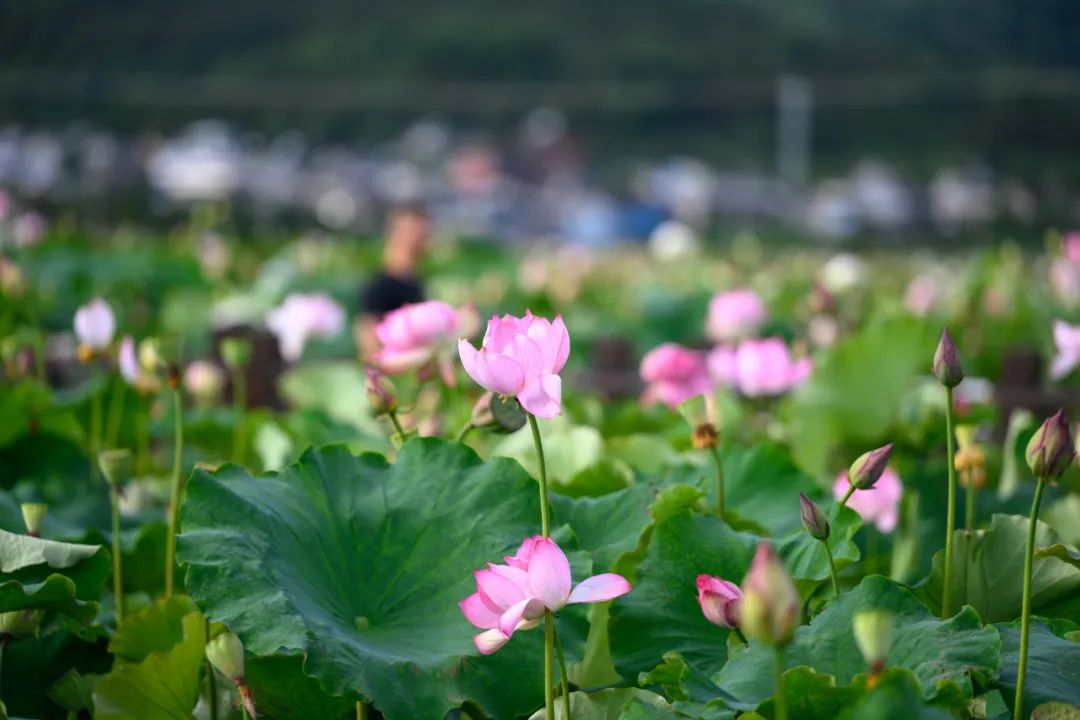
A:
{"x": 397, "y": 425}
{"x": 361, "y": 710}
{"x": 211, "y": 682}
{"x": 116, "y": 413}
{"x": 239, "y": 412}
{"x": 465, "y": 432}
{"x": 832, "y": 568}
{"x": 719, "y": 481}
{"x": 544, "y": 512}
{"x": 142, "y": 428}
{"x": 780, "y": 705}
{"x": 847, "y": 495}
{"x": 969, "y": 507}
{"x": 118, "y": 570}
{"x": 95, "y": 428}
{"x": 549, "y": 686}
{"x": 565, "y": 677}
{"x": 1025, "y": 612}
{"x": 174, "y": 492}
{"x": 243, "y": 712}
{"x": 950, "y": 520}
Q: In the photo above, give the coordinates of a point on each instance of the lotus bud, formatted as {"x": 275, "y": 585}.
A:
{"x": 17, "y": 624}
{"x": 380, "y": 392}
{"x": 719, "y": 600}
{"x": 868, "y": 467}
{"x": 116, "y": 466}
{"x": 873, "y": 635}
{"x": 498, "y": 415}
{"x": 33, "y": 515}
{"x": 947, "y": 367}
{"x": 226, "y": 653}
{"x": 236, "y": 352}
{"x": 813, "y": 519}
{"x": 1050, "y": 450}
{"x": 769, "y": 611}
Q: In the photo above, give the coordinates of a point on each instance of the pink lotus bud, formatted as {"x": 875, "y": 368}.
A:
{"x": 770, "y": 606}
{"x": 95, "y": 325}
{"x": 673, "y": 374}
{"x": 1050, "y": 450}
{"x": 719, "y": 600}
{"x": 869, "y": 466}
{"x": 380, "y": 392}
{"x": 947, "y": 367}
{"x": 521, "y": 357}
{"x": 813, "y": 519}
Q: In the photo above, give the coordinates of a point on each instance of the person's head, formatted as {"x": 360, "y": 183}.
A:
{"x": 407, "y": 232}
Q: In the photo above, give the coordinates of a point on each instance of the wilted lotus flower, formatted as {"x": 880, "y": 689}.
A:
{"x": 673, "y": 374}
{"x": 733, "y": 315}
{"x": 95, "y": 325}
{"x": 521, "y": 357}
{"x": 813, "y": 519}
{"x": 301, "y": 317}
{"x": 514, "y": 596}
{"x": 879, "y": 504}
{"x": 1050, "y": 450}
{"x": 869, "y": 466}
{"x": 947, "y": 366}
{"x": 758, "y": 368}
{"x": 770, "y": 606}
{"x": 414, "y": 335}
{"x": 204, "y": 380}
{"x": 719, "y": 600}
{"x": 1067, "y": 341}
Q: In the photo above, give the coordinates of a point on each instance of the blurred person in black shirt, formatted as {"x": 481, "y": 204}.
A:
{"x": 407, "y": 234}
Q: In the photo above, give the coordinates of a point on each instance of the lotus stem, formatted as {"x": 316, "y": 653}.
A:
{"x": 1025, "y": 611}
{"x": 211, "y": 682}
{"x": 832, "y": 568}
{"x": 719, "y": 480}
{"x": 780, "y": 706}
{"x": 544, "y": 513}
{"x": 565, "y": 677}
{"x": 397, "y": 424}
{"x": 950, "y": 519}
{"x": 549, "y": 673}
{"x": 465, "y": 432}
{"x": 117, "y": 561}
{"x": 116, "y": 413}
{"x": 847, "y": 495}
{"x": 95, "y": 427}
{"x": 174, "y": 491}
{"x": 239, "y": 415}
{"x": 361, "y": 710}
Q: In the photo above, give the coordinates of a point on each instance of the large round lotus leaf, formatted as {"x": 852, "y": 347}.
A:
{"x": 1053, "y": 669}
{"x": 42, "y": 574}
{"x": 360, "y": 565}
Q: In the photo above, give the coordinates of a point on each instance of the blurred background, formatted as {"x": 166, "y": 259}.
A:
{"x": 897, "y": 122}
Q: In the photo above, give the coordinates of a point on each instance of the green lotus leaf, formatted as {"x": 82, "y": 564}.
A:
{"x": 898, "y": 696}
{"x": 606, "y": 704}
{"x": 49, "y": 575}
{"x": 805, "y": 557}
{"x": 165, "y": 684}
{"x": 360, "y": 565}
{"x": 988, "y": 568}
{"x": 155, "y": 628}
{"x": 283, "y": 692}
{"x": 1053, "y": 667}
{"x": 947, "y": 657}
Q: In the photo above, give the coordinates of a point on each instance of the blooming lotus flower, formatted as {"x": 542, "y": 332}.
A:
{"x": 521, "y": 357}
{"x": 734, "y": 314}
{"x": 673, "y": 374}
{"x": 536, "y": 578}
{"x": 303, "y": 316}
{"x": 414, "y": 335}
{"x": 719, "y": 600}
{"x": 879, "y": 504}
{"x": 759, "y": 368}
{"x": 95, "y": 325}
{"x": 1067, "y": 341}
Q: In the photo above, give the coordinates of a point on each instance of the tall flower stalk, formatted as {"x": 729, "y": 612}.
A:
{"x": 174, "y": 485}
{"x": 116, "y": 468}
{"x": 817, "y": 527}
{"x": 949, "y": 372}
{"x": 549, "y": 620}
{"x": 1049, "y": 454}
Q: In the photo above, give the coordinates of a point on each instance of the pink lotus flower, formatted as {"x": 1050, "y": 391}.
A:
{"x": 303, "y": 316}
{"x": 414, "y": 335}
{"x": 759, "y": 367}
{"x": 1067, "y": 340}
{"x": 95, "y": 324}
{"x": 673, "y": 374}
{"x": 880, "y": 504}
{"x": 734, "y": 314}
{"x": 719, "y": 600}
{"x": 1071, "y": 243}
{"x": 521, "y": 357}
{"x": 514, "y": 596}
{"x": 127, "y": 361}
